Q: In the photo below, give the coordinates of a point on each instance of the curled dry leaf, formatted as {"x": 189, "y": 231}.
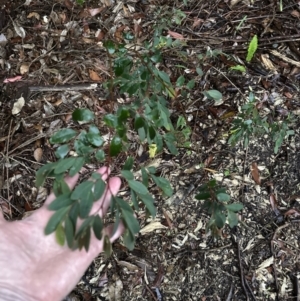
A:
{"x": 38, "y": 153}
{"x": 176, "y": 35}
{"x": 94, "y": 76}
{"x": 18, "y": 105}
{"x": 152, "y": 227}
{"x": 293, "y": 212}
{"x": 19, "y": 30}
{"x": 95, "y": 11}
{"x": 255, "y": 173}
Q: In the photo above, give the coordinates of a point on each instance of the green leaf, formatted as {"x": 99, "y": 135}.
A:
{"x": 235, "y": 207}
{"x": 213, "y": 94}
{"x": 43, "y": 172}
{"x": 191, "y": 84}
{"x": 199, "y": 71}
{"x": 115, "y": 146}
{"x": 93, "y": 129}
{"x": 63, "y": 136}
{"x": 110, "y": 46}
{"x": 129, "y": 240}
{"x": 151, "y": 132}
{"x": 55, "y": 219}
{"x": 134, "y": 200}
{"x": 145, "y": 177}
{"x": 84, "y": 227}
{"x": 171, "y": 147}
{"x": 128, "y": 175}
{"x": 252, "y": 48}
{"x": 60, "y": 187}
{"x": 64, "y": 164}
{"x": 149, "y": 203}
{"x": 133, "y": 89}
{"x": 111, "y": 120}
{"x": 74, "y": 213}
{"x": 82, "y": 190}
{"x": 232, "y": 219}
{"x": 60, "y": 235}
{"x": 164, "y": 76}
{"x": 130, "y": 221}
{"x": 238, "y": 68}
{"x": 123, "y": 114}
{"x": 82, "y": 148}
{"x": 203, "y": 196}
{"x": 99, "y": 188}
{"x": 83, "y": 115}
{"x": 220, "y": 219}
{"x": 138, "y": 122}
{"x": 180, "y": 81}
{"x": 84, "y": 241}
{"x": 142, "y": 134}
{"x": 163, "y": 184}
{"x": 62, "y": 151}
{"x": 138, "y": 187}
{"x": 78, "y": 164}
{"x": 107, "y": 246}
{"x": 100, "y": 155}
{"x": 98, "y": 227}
{"x": 69, "y": 232}
{"x": 95, "y": 139}
{"x": 223, "y": 197}
{"x": 128, "y": 164}
{"x": 61, "y": 201}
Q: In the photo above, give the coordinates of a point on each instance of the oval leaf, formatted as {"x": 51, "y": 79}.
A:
{"x": 83, "y": 115}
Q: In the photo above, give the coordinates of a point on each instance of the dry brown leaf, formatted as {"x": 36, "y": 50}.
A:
{"x": 95, "y": 11}
{"x": 38, "y": 154}
{"x": 24, "y": 68}
{"x": 293, "y": 212}
{"x": 255, "y": 173}
{"x": 152, "y": 227}
{"x": 273, "y": 202}
{"x": 170, "y": 225}
{"x": 176, "y": 35}
{"x": 94, "y": 76}
{"x": 33, "y": 15}
{"x": 197, "y": 22}
{"x": 295, "y": 13}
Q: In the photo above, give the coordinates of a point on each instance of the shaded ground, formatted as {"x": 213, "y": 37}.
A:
{"x": 61, "y": 47}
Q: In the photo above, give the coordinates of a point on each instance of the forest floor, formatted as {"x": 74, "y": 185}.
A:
{"x": 49, "y": 48}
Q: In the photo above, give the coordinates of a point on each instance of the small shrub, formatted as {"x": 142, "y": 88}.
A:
{"x": 216, "y": 203}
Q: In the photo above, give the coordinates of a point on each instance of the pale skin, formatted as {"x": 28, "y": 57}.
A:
{"x": 33, "y": 267}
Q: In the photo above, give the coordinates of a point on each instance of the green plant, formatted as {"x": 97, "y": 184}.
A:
{"x": 136, "y": 75}
{"x": 249, "y": 123}
{"x": 252, "y": 48}
{"x": 250, "y": 53}
{"x": 216, "y": 203}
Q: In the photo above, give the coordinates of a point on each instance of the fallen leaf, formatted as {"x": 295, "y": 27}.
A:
{"x": 293, "y": 212}
{"x": 24, "y": 68}
{"x": 176, "y": 35}
{"x": 94, "y": 76}
{"x": 95, "y": 11}
{"x": 255, "y": 173}
{"x": 197, "y": 22}
{"x": 18, "y": 105}
{"x": 152, "y": 227}
{"x": 266, "y": 263}
{"x": 33, "y": 15}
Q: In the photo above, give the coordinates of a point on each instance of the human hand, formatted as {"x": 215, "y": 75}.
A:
{"x": 33, "y": 266}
